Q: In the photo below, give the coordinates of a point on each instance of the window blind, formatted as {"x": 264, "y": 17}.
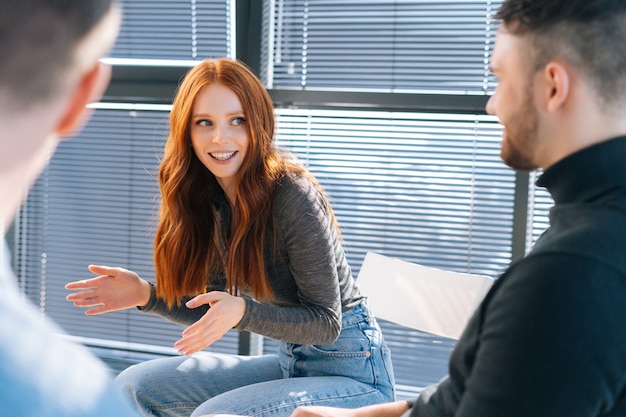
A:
{"x": 175, "y": 30}
{"x": 429, "y": 188}
{"x": 393, "y": 46}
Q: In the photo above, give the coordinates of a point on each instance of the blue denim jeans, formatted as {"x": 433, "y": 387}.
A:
{"x": 354, "y": 371}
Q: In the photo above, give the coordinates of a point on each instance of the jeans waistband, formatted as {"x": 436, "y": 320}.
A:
{"x": 357, "y": 314}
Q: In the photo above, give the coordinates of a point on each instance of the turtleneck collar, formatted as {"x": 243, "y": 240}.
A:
{"x": 587, "y": 173}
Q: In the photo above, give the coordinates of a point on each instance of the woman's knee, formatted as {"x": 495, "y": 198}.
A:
{"x": 133, "y": 380}
{"x": 141, "y": 377}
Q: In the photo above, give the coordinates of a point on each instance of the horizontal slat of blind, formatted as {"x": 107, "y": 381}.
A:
{"x": 97, "y": 203}
{"x": 174, "y": 29}
{"x": 384, "y": 46}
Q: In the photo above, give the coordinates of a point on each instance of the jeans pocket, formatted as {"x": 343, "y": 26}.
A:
{"x": 352, "y": 355}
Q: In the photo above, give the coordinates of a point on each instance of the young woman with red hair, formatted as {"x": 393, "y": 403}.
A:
{"x": 246, "y": 240}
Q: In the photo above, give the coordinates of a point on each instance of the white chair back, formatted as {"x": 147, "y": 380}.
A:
{"x": 428, "y": 299}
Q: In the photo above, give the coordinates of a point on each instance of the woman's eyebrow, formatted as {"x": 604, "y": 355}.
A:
{"x": 233, "y": 113}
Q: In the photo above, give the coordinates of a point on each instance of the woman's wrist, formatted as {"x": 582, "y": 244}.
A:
{"x": 146, "y": 294}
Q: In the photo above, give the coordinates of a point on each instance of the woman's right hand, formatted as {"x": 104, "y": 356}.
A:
{"x": 114, "y": 289}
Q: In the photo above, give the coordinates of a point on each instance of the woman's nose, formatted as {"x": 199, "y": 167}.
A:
{"x": 219, "y": 135}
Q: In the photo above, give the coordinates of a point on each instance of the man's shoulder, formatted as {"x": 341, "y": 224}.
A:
{"x": 588, "y": 234}
{"x": 42, "y": 372}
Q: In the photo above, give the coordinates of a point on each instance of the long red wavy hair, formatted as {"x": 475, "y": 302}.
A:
{"x": 189, "y": 246}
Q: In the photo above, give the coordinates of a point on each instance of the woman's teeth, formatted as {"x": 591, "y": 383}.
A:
{"x": 222, "y": 156}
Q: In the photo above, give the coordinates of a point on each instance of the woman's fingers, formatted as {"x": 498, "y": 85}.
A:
{"x": 114, "y": 289}
{"x": 103, "y": 270}
{"x": 84, "y": 298}
{"x": 225, "y": 312}
{"x": 197, "y": 337}
{"x": 82, "y": 284}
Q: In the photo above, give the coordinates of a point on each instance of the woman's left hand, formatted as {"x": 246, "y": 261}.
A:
{"x": 225, "y": 313}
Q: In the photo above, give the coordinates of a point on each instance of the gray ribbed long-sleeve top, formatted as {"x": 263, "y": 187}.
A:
{"x": 309, "y": 273}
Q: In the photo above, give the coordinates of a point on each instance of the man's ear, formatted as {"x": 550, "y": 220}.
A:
{"x": 89, "y": 90}
{"x": 558, "y": 83}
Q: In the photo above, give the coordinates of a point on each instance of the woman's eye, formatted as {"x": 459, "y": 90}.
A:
{"x": 203, "y": 122}
{"x": 238, "y": 121}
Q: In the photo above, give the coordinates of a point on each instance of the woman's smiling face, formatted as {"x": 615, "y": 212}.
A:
{"x": 219, "y": 134}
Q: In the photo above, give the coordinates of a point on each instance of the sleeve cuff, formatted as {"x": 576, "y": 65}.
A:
{"x": 151, "y": 301}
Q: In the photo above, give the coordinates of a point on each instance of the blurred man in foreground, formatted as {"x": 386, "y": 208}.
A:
{"x": 50, "y": 70}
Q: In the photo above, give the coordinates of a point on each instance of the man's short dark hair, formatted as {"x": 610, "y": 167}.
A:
{"x": 37, "y": 42}
{"x": 589, "y": 34}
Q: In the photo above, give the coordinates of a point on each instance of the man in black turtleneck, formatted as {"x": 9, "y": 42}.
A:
{"x": 549, "y": 340}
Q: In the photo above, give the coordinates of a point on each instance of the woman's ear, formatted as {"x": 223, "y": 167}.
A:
{"x": 557, "y": 79}
{"x": 89, "y": 90}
